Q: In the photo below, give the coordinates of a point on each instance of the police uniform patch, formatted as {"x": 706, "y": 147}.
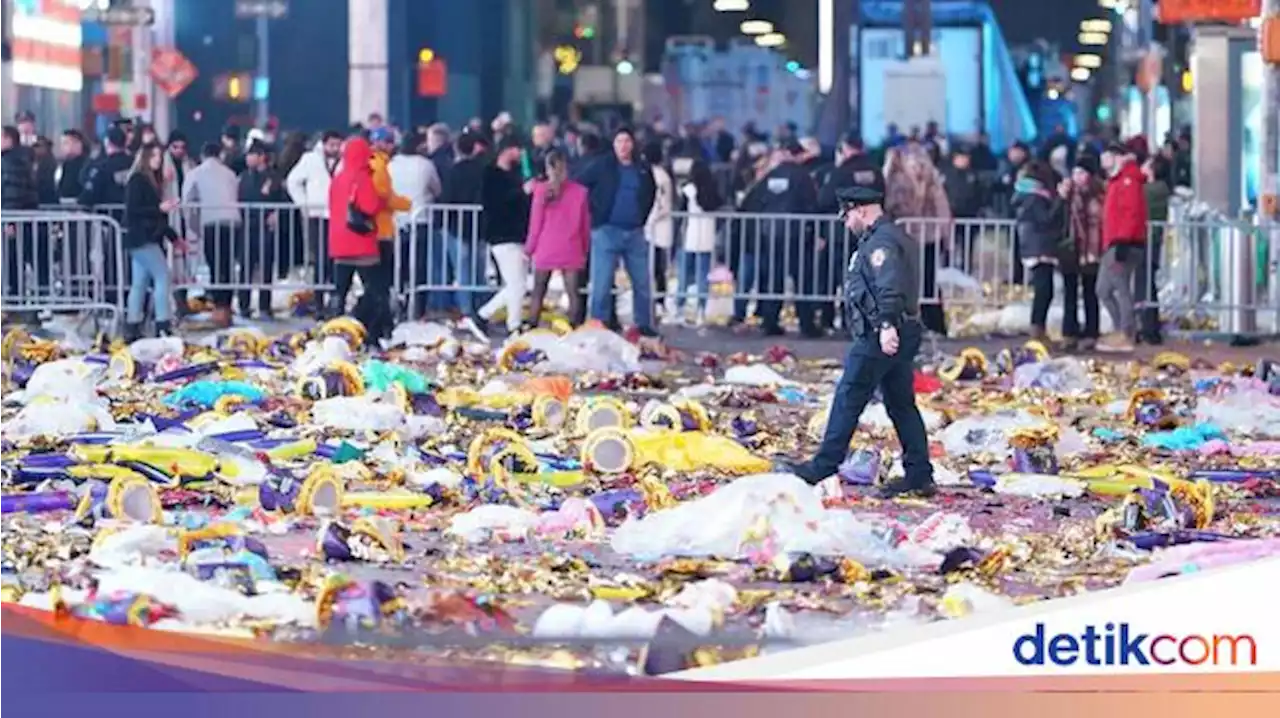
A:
{"x": 877, "y": 258}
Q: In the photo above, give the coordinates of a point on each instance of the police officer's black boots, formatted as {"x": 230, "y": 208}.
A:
{"x": 132, "y": 332}
{"x": 902, "y": 487}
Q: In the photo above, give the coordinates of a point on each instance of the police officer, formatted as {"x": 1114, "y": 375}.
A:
{"x": 883, "y": 311}
{"x": 853, "y": 168}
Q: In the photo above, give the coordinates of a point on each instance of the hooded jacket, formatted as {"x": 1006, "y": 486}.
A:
{"x": 1124, "y": 213}
{"x": 391, "y": 202}
{"x": 353, "y": 185}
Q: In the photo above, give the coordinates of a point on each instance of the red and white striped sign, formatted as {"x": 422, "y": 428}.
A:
{"x": 46, "y": 44}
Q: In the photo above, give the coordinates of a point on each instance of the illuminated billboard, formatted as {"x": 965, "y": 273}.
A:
{"x": 46, "y": 44}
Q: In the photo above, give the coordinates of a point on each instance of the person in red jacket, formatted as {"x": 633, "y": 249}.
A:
{"x": 354, "y": 204}
{"x": 1124, "y": 241}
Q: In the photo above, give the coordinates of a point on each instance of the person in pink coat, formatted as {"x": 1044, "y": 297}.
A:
{"x": 559, "y": 233}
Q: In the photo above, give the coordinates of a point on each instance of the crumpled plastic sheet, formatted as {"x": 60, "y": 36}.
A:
{"x": 152, "y": 349}
{"x": 420, "y": 334}
{"x": 71, "y": 379}
{"x": 695, "y": 608}
{"x": 1065, "y": 375}
{"x": 1247, "y": 410}
{"x": 1191, "y": 558}
{"x": 1015, "y": 319}
{"x": 493, "y": 522}
{"x": 1039, "y": 486}
{"x": 989, "y": 434}
{"x": 588, "y": 349}
{"x": 695, "y": 450}
{"x": 368, "y": 412}
{"x": 51, "y": 416}
{"x": 317, "y": 355}
{"x": 777, "y": 509}
{"x": 755, "y": 375}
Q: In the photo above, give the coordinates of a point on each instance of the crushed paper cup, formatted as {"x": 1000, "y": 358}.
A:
{"x": 372, "y": 540}
{"x": 602, "y": 413}
{"x": 970, "y": 365}
{"x": 1034, "y": 450}
{"x": 1008, "y": 360}
{"x": 678, "y": 415}
{"x": 339, "y": 378}
{"x": 346, "y": 604}
{"x": 319, "y": 494}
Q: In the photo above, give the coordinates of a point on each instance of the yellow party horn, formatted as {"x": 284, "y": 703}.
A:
{"x": 187, "y": 463}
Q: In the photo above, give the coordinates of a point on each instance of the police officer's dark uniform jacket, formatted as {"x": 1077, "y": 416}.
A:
{"x": 882, "y": 281}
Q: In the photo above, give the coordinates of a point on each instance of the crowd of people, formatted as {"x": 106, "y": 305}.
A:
{"x": 573, "y": 200}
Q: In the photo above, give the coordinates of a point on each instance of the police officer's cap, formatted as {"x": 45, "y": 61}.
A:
{"x": 858, "y": 196}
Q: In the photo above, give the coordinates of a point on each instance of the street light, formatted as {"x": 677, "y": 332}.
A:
{"x": 1092, "y": 39}
{"x": 1088, "y": 61}
{"x": 731, "y": 5}
{"x": 756, "y": 27}
{"x": 1095, "y": 25}
{"x": 773, "y": 39}
{"x": 1080, "y": 74}
{"x": 625, "y": 67}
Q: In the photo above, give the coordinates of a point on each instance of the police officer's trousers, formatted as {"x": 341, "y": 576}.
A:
{"x": 866, "y": 369}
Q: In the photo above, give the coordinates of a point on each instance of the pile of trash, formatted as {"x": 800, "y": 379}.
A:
{"x": 581, "y": 488}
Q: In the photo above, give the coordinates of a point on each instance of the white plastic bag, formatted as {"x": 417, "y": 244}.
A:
{"x": 755, "y": 375}
{"x": 503, "y": 523}
{"x": 727, "y": 523}
{"x": 58, "y": 417}
{"x": 586, "y": 349}
{"x": 201, "y": 602}
{"x": 152, "y": 349}
{"x": 317, "y": 355}
{"x": 357, "y": 413}
{"x": 63, "y": 379}
{"x": 1038, "y": 486}
{"x": 1063, "y": 375}
{"x": 1249, "y": 410}
{"x": 420, "y": 334}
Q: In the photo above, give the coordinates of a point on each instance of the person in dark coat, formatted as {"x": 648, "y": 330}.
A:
{"x": 71, "y": 167}
{"x": 1041, "y": 218}
{"x": 464, "y": 185}
{"x": 146, "y": 230}
{"x": 18, "y": 192}
{"x": 787, "y": 189}
{"x": 261, "y": 190}
{"x": 967, "y": 197}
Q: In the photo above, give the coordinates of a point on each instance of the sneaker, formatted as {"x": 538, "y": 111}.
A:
{"x": 902, "y": 487}
{"x": 164, "y": 329}
{"x": 477, "y": 327}
{"x": 1115, "y": 344}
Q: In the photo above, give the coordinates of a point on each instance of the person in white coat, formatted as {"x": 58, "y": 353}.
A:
{"x": 308, "y": 187}
{"x": 701, "y": 197}
{"x": 414, "y": 176}
{"x": 659, "y": 227}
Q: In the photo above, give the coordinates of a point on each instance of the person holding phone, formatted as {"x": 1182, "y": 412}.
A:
{"x": 146, "y": 221}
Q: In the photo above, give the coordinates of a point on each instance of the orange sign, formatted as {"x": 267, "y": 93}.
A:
{"x": 171, "y": 70}
{"x": 433, "y": 78}
{"x": 1173, "y": 12}
{"x": 1270, "y": 40}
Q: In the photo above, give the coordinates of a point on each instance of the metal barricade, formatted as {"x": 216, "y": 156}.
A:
{"x": 441, "y": 260}
{"x": 58, "y": 261}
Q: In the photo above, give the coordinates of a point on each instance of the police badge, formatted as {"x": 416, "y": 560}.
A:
{"x": 877, "y": 258}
